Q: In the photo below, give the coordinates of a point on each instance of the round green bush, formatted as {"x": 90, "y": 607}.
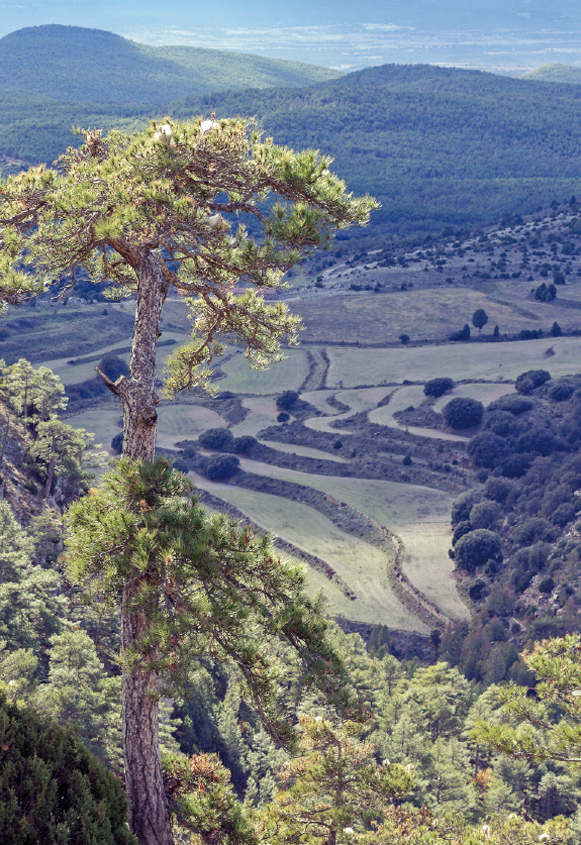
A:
{"x": 243, "y": 444}
{"x": 286, "y": 399}
{"x": 464, "y": 504}
{"x": 513, "y": 404}
{"x": 219, "y": 467}
{"x": 463, "y": 413}
{"x": 528, "y": 381}
{"x": 487, "y": 514}
{"x": 52, "y": 790}
{"x": 476, "y": 548}
{"x": 438, "y": 386}
{"x": 216, "y": 438}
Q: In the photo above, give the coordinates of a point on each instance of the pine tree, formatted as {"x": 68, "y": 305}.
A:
{"x": 52, "y": 790}
{"x": 149, "y": 212}
{"x": 202, "y": 587}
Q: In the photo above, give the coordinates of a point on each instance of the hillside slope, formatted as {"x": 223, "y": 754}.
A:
{"x": 437, "y": 146}
{"x": 555, "y": 72}
{"x": 73, "y": 64}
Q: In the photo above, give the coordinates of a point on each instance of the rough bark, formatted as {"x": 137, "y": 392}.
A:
{"x": 137, "y": 394}
{"x": 149, "y": 814}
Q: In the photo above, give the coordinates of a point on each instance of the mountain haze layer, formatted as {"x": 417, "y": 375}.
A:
{"x": 73, "y": 64}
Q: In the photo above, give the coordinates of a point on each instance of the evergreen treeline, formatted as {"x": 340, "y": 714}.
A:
{"x": 437, "y": 146}
{"x": 516, "y": 535}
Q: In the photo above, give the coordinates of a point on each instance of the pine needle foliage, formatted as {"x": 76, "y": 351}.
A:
{"x": 206, "y": 587}
{"x": 216, "y": 204}
{"x": 52, "y": 791}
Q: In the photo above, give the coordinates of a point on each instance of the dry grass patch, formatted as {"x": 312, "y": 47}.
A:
{"x": 422, "y": 314}
{"x": 503, "y": 360}
{"x": 361, "y": 566}
{"x": 285, "y": 375}
{"x": 178, "y": 422}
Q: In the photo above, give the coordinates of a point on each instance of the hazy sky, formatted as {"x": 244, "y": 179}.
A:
{"x": 340, "y": 33}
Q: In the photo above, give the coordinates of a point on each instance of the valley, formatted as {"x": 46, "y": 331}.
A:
{"x": 359, "y": 481}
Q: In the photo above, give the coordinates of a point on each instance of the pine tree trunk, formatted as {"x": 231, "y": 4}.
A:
{"x": 137, "y": 393}
{"x": 149, "y": 814}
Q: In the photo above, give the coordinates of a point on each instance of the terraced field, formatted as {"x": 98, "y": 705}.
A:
{"x": 357, "y": 386}
{"x": 361, "y": 566}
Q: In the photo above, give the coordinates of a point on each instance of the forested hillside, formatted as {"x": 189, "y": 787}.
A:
{"x": 76, "y": 65}
{"x": 437, "y": 146}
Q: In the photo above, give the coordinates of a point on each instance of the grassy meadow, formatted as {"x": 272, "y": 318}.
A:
{"x": 361, "y": 566}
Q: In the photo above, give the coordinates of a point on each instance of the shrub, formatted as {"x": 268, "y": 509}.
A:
{"x": 531, "y": 379}
{"x": 438, "y": 386}
{"x": 546, "y": 585}
{"x": 532, "y": 529}
{"x": 113, "y": 366}
{"x": 463, "y": 413}
{"x": 561, "y": 392}
{"x": 286, "y": 399}
{"x": 502, "y": 423}
{"x": 487, "y": 514}
{"x": 117, "y": 443}
{"x": 404, "y": 338}
{"x": 487, "y": 449}
{"x": 556, "y": 330}
{"x": 218, "y": 467}
{"x": 52, "y": 789}
{"x": 476, "y": 547}
{"x": 243, "y": 444}
{"x": 216, "y": 438}
{"x": 283, "y": 417}
{"x": 180, "y": 465}
{"x": 563, "y": 514}
{"x": 462, "y": 528}
{"x": 513, "y": 404}
{"x": 463, "y": 334}
{"x": 539, "y": 441}
{"x": 407, "y": 461}
{"x": 464, "y": 504}
{"x": 477, "y": 589}
{"x": 515, "y": 466}
{"x": 498, "y": 489}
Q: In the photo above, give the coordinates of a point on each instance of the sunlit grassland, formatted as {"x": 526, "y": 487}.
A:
{"x": 402, "y": 398}
{"x": 482, "y": 392}
{"x": 420, "y": 516}
{"x": 102, "y": 422}
{"x": 285, "y": 375}
{"x": 429, "y": 314}
{"x": 305, "y": 451}
{"x": 504, "y": 360}
{"x": 364, "y": 568}
{"x": 83, "y": 367}
{"x": 262, "y": 412}
{"x": 178, "y": 421}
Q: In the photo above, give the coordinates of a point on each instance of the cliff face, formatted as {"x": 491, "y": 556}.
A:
{"x": 17, "y": 485}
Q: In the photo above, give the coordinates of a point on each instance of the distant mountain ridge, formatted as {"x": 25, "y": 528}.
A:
{"x": 555, "y": 72}
{"x": 74, "y": 64}
{"x": 439, "y": 147}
